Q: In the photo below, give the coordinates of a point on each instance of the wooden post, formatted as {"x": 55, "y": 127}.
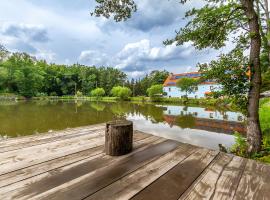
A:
{"x": 118, "y": 137}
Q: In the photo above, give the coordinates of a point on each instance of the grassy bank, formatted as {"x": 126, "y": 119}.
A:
{"x": 201, "y": 102}
{"x": 240, "y": 147}
{"x": 265, "y": 125}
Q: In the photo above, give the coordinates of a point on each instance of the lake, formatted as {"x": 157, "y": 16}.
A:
{"x": 206, "y": 127}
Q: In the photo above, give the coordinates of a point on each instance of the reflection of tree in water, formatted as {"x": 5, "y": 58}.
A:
{"x": 98, "y": 106}
{"x": 185, "y": 121}
{"x": 150, "y": 111}
{"x": 121, "y": 109}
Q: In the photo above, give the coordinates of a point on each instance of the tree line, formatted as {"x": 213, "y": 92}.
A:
{"x": 24, "y": 75}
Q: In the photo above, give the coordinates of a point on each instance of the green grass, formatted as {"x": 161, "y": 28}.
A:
{"x": 240, "y": 146}
{"x": 265, "y": 126}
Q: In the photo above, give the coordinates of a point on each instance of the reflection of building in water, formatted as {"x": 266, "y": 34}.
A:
{"x": 206, "y": 119}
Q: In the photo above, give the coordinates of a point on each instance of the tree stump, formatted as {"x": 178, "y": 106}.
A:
{"x": 118, "y": 137}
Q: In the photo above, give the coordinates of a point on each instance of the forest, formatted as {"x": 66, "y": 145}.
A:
{"x": 26, "y": 76}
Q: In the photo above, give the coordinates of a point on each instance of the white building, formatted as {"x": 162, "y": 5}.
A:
{"x": 171, "y": 90}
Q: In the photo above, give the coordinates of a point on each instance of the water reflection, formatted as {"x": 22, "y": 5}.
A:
{"x": 195, "y": 125}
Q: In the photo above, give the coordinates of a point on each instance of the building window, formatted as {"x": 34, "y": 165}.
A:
{"x": 211, "y": 88}
{"x": 211, "y": 115}
{"x": 169, "y": 89}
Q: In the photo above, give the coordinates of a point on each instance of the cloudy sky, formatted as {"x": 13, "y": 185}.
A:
{"x": 63, "y": 32}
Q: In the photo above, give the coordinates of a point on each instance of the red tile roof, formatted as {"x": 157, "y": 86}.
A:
{"x": 173, "y": 78}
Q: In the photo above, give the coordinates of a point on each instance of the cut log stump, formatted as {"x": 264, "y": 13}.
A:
{"x": 118, "y": 137}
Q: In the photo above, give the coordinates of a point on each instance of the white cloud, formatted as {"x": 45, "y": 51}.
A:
{"x": 134, "y": 54}
{"x": 91, "y": 57}
{"x": 26, "y": 32}
{"x": 49, "y": 56}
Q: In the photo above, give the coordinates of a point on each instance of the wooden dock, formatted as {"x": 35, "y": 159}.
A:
{"x": 71, "y": 164}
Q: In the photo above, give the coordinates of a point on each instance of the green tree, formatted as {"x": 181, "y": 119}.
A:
{"x": 98, "y": 92}
{"x": 155, "y": 90}
{"x": 122, "y": 92}
{"x": 212, "y": 26}
{"x": 187, "y": 85}
{"x": 265, "y": 81}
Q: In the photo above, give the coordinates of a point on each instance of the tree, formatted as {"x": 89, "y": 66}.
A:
{"x": 188, "y": 85}
{"x": 266, "y": 81}
{"x": 98, "y": 92}
{"x": 212, "y": 26}
{"x": 155, "y": 90}
{"x": 122, "y": 92}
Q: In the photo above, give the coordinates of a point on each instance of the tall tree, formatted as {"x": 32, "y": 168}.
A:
{"x": 212, "y": 26}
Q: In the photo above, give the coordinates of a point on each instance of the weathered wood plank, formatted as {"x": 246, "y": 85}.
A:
{"x": 205, "y": 186}
{"x": 128, "y": 186}
{"x": 255, "y": 182}
{"x": 84, "y": 186}
{"x": 31, "y": 138}
{"x": 48, "y": 180}
{"x": 49, "y": 140}
{"x": 175, "y": 182}
{"x": 11, "y": 161}
{"x": 228, "y": 180}
{"x": 22, "y": 174}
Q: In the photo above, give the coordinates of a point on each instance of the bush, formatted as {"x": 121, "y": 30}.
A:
{"x": 155, "y": 90}
{"x": 79, "y": 94}
{"x": 240, "y": 146}
{"x": 122, "y": 92}
{"x": 98, "y": 92}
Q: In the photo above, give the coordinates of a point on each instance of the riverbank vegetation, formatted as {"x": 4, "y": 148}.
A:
{"x": 240, "y": 147}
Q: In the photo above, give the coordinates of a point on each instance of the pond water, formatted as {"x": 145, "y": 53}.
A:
{"x": 206, "y": 127}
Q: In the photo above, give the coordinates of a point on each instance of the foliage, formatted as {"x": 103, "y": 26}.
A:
{"x": 24, "y": 75}
{"x": 98, "y": 92}
{"x": 122, "y": 92}
{"x": 265, "y": 81}
{"x": 188, "y": 85}
{"x": 121, "y": 9}
{"x": 139, "y": 87}
{"x": 79, "y": 94}
{"x": 231, "y": 71}
{"x": 155, "y": 90}
{"x": 240, "y": 146}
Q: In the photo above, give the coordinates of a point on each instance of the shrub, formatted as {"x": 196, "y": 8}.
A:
{"x": 240, "y": 146}
{"x": 79, "y": 94}
{"x": 98, "y": 92}
{"x": 155, "y": 90}
{"x": 122, "y": 92}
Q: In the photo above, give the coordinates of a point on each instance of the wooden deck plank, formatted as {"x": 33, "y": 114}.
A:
{"x": 228, "y": 180}
{"x": 86, "y": 185}
{"x": 9, "y": 178}
{"x": 49, "y": 140}
{"x": 205, "y": 186}
{"x": 31, "y": 138}
{"x": 46, "y": 181}
{"x": 128, "y": 186}
{"x": 71, "y": 164}
{"x": 11, "y": 161}
{"x": 175, "y": 182}
{"x": 255, "y": 182}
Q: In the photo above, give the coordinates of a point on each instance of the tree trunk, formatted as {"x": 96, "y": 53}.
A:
{"x": 118, "y": 137}
{"x": 254, "y": 135}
